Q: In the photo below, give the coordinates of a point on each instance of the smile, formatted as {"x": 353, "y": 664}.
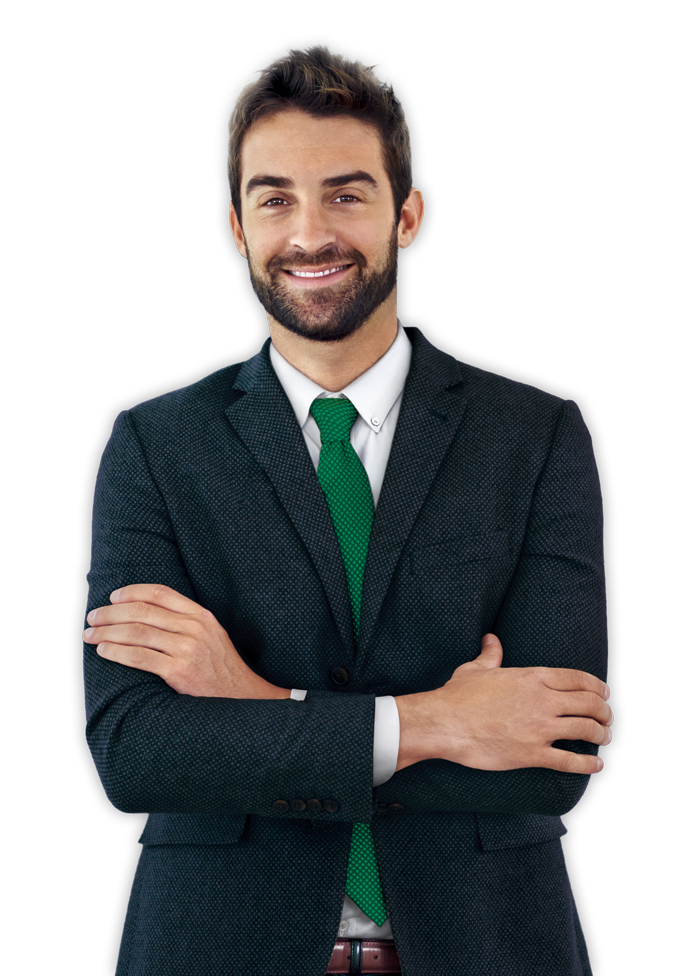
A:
{"x": 304, "y": 280}
{"x": 317, "y": 274}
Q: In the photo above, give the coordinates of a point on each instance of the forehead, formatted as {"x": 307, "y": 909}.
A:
{"x": 292, "y": 143}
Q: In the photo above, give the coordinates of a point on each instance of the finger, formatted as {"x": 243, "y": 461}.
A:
{"x": 566, "y": 761}
{"x": 570, "y": 679}
{"x": 142, "y": 658}
{"x": 582, "y": 704}
{"x": 156, "y": 594}
{"x": 159, "y": 604}
{"x": 586, "y": 729}
{"x": 147, "y": 614}
{"x": 596, "y": 685}
{"x": 491, "y": 653}
{"x": 136, "y": 635}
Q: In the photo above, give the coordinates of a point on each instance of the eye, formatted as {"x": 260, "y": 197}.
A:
{"x": 274, "y": 200}
{"x": 342, "y": 196}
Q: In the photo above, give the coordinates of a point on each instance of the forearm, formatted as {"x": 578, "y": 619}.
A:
{"x": 439, "y": 786}
{"x": 167, "y": 753}
{"x": 424, "y": 783}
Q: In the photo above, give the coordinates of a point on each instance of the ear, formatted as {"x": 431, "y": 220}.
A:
{"x": 411, "y": 218}
{"x": 236, "y": 231}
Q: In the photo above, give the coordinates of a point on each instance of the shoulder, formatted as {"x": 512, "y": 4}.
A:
{"x": 183, "y": 410}
{"x": 493, "y": 387}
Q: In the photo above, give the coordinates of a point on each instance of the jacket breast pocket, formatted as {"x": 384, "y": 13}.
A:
{"x": 192, "y": 828}
{"x": 460, "y": 555}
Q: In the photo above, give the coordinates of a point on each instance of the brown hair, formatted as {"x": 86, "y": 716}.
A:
{"x": 324, "y": 84}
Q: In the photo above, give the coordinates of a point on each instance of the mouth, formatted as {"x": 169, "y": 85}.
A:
{"x": 314, "y": 278}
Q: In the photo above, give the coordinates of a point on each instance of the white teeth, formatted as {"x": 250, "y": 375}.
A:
{"x": 315, "y": 274}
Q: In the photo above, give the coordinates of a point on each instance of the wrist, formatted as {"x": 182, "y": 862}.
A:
{"x": 246, "y": 683}
{"x": 265, "y": 689}
{"x": 416, "y": 741}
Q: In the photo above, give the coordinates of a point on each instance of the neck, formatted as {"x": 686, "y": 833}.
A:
{"x": 334, "y": 365}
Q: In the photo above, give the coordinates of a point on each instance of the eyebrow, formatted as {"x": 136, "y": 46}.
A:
{"x": 285, "y": 183}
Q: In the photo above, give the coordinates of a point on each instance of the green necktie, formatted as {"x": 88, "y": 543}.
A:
{"x": 346, "y": 486}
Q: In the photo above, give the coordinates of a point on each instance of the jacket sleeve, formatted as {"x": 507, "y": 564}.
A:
{"x": 157, "y": 751}
{"x": 553, "y": 615}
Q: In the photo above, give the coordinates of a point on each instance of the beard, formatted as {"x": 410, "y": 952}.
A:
{"x": 334, "y": 312}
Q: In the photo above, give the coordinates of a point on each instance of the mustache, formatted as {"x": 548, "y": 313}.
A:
{"x": 329, "y": 255}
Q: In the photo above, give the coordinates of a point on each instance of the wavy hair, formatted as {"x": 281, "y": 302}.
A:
{"x": 324, "y": 84}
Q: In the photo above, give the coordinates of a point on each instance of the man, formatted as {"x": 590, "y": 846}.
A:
{"x": 346, "y": 640}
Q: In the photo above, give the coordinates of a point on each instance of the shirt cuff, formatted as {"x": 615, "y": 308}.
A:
{"x": 387, "y": 733}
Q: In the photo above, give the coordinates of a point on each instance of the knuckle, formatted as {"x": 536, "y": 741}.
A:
{"x": 190, "y": 648}
{"x": 591, "y": 731}
{"x": 137, "y": 656}
{"x": 137, "y": 631}
{"x": 201, "y": 623}
{"x": 602, "y": 737}
{"x": 534, "y": 676}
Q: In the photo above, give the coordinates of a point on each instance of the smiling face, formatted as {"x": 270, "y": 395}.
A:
{"x": 318, "y": 223}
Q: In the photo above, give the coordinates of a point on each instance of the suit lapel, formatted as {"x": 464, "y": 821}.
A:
{"x": 431, "y": 410}
{"x": 264, "y": 420}
{"x": 432, "y": 407}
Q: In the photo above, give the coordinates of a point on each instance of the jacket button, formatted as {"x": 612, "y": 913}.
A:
{"x": 280, "y": 806}
{"x": 314, "y": 804}
{"x": 395, "y": 807}
{"x": 298, "y": 805}
{"x": 330, "y": 806}
{"x": 339, "y": 676}
{"x": 381, "y": 808}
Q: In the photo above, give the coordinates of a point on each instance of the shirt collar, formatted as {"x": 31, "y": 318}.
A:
{"x": 373, "y": 393}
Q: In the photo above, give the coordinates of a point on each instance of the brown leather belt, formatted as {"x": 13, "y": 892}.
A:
{"x": 364, "y": 956}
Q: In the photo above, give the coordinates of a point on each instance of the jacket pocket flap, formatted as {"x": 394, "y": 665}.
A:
{"x": 498, "y": 831}
{"x": 473, "y": 548}
{"x": 192, "y": 828}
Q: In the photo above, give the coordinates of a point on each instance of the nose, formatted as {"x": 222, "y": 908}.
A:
{"x": 313, "y": 229}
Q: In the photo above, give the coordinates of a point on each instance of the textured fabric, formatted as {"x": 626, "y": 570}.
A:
{"x": 489, "y": 519}
{"x": 377, "y": 394}
{"x": 349, "y": 496}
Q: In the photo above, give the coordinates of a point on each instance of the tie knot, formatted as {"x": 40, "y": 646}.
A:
{"x": 334, "y": 417}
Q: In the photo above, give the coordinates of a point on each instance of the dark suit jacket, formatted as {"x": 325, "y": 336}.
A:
{"x": 489, "y": 520}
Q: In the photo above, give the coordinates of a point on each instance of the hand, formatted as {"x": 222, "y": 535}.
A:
{"x": 154, "y": 628}
{"x": 489, "y": 717}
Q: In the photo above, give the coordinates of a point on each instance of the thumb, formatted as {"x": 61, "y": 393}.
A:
{"x": 491, "y": 652}
{"x": 490, "y": 657}
{"x": 492, "y": 642}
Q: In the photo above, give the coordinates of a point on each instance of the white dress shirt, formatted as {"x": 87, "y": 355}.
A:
{"x": 376, "y": 395}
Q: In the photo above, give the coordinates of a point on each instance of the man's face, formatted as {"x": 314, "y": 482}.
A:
{"x": 318, "y": 223}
